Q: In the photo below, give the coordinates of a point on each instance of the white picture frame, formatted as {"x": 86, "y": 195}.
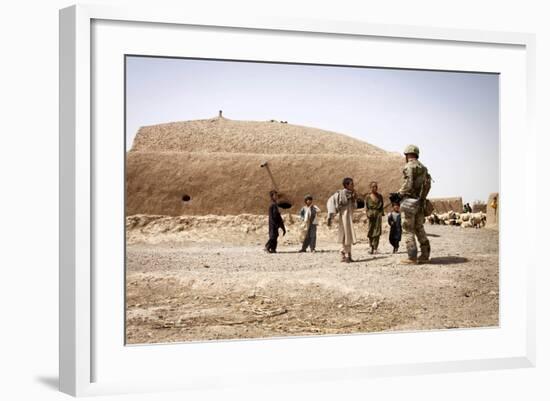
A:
{"x": 86, "y": 333}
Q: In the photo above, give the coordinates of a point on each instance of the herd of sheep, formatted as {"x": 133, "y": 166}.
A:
{"x": 465, "y": 220}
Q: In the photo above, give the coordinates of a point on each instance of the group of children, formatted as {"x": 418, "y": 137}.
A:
{"x": 309, "y": 217}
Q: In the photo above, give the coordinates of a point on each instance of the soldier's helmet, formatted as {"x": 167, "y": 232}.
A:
{"x": 412, "y": 149}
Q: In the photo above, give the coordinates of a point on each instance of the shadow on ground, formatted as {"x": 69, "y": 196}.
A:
{"x": 50, "y": 382}
{"x": 371, "y": 259}
{"x": 316, "y": 251}
{"x": 448, "y": 260}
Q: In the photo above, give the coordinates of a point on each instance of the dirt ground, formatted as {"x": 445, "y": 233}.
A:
{"x": 183, "y": 290}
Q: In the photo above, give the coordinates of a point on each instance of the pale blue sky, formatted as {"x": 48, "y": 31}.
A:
{"x": 452, "y": 117}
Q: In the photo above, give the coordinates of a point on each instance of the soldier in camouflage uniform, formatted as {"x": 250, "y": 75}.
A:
{"x": 416, "y": 184}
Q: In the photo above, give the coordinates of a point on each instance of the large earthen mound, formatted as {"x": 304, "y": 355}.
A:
{"x": 259, "y": 137}
{"x": 214, "y": 167}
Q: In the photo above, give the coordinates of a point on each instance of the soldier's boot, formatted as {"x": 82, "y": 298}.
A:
{"x": 349, "y": 259}
{"x": 343, "y": 256}
{"x": 424, "y": 254}
{"x": 411, "y": 252}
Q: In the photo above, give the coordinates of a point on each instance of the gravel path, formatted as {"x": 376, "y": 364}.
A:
{"x": 195, "y": 291}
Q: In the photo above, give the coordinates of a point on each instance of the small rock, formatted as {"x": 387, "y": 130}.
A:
{"x": 374, "y": 305}
{"x": 340, "y": 306}
{"x": 490, "y": 293}
{"x": 206, "y": 266}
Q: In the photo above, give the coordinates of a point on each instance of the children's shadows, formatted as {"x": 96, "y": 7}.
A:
{"x": 448, "y": 260}
{"x": 316, "y": 251}
{"x": 371, "y": 259}
{"x": 439, "y": 260}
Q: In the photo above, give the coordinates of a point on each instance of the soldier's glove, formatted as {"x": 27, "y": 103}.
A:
{"x": 395, "y": 197}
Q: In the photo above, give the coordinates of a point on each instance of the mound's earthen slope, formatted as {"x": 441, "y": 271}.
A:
{"x": 260, "y": 137}
{"x": 214, "y": 167}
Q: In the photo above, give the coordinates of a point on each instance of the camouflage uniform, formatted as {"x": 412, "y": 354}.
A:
{"x": 415, "y": 175}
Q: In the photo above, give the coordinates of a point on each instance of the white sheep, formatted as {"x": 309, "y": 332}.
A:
{"x": 465, "y": 216}
{"x": 478, "y": 219}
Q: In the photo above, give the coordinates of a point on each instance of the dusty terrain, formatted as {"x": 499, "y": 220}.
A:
{"x": 207, "y": 277}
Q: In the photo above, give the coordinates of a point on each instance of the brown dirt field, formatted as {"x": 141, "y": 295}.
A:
{"x": 211, "y": 280}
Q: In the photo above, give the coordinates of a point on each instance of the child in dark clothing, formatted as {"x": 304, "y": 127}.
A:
{"x": 275, "y": 222}
{"x": 394, "y": 220}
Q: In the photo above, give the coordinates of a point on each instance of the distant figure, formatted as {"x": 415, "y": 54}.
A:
{"x": 275, "y": 222}
{"x": 308, "y": 214}
{"x": 467, "y": 208}
{"x": 342, "y": 203}
{"x": 413, "y": 191}
{"x": 494, "y": 204}
{"x": 374, "y": 206}
{"x": 220, "y": 114}
{"x": 394, "y": 220}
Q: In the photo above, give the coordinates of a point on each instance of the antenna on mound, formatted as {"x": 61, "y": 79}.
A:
{"x": 284, "y": 202}
{"x": 220, "y": 114}
{"x": 266, "y": 166}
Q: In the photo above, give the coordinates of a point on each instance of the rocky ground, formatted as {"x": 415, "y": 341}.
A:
{"x": 195, "y": 288}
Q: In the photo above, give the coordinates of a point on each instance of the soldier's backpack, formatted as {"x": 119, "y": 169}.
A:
{"x": 426, "y": 186}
